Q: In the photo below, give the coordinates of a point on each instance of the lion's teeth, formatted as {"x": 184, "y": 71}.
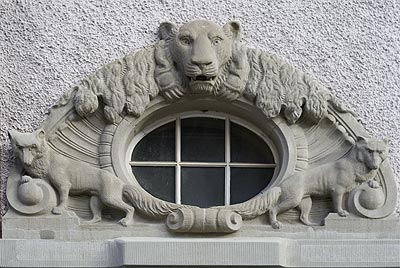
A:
{"x": 201, "y": 78}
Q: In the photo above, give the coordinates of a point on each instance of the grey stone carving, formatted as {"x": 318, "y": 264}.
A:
{"x": 31, "y": 196}
{"x": 186, "y": 60}
{"x": 75, "y": 177}
{"x": 204, "y": 220}
{"x": 332, "y": 179}
{"x": 77, "y": 161}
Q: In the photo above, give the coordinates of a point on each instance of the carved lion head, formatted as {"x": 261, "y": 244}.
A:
{"x": 199, "y": 57}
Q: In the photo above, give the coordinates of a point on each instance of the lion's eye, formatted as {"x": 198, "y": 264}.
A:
{"x": 33, "y": 146}
{"x": 186, "y": 40}
{"x": 216, "y": 41}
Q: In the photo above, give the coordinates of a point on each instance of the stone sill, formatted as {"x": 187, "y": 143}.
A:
{"x": 140, "y": 251}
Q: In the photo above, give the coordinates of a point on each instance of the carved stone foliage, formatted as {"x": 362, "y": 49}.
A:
{"x": 77, "y": 161}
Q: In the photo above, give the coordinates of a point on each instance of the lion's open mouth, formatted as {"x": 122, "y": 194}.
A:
{"x": 202, "y": 78}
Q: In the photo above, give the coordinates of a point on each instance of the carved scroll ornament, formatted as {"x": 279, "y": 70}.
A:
{"x": 198, "y": 60}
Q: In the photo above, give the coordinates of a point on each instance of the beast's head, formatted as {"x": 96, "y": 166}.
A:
{"x": 371, "y": 151}
{"x": 29, "y": 146}
{"x": 199, "y": 54}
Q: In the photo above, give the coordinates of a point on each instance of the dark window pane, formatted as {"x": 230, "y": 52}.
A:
{"x": 203, "y": 187}
{"x": 248, "y": 182}
{"x": 158, "y": 181}
{"x": 203, "y": 139}
{"x": 158, "y": 145}
{"x": 247, "y": 147}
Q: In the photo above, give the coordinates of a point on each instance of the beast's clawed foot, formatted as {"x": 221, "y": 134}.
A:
{"x": 125, "y": 222}
{"x": 373, "y": 184}
{"x": 174, "y": 93}
{"x": 312, "y": 224}
{"x": 229, "y": 95}
{"x": 25, "y": 179}
{"x": 58, "y": 210}
{"x": 93, "y": 220}
{"x": 343, "y": 213}
{"x": 277, "y": 225}
{"x": 308, "y": 223}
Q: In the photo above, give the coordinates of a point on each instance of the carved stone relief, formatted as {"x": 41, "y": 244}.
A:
{"x": 80, "y": 152}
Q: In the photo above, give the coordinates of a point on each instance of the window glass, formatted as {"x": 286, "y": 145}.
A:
{"x": 193, "y": 153}
{"x": 158, "y": 145}
{"x": 203, "y": 187}
{"x": 248, "y": 182}
{"x": 159, "y": 181}
{"x": 248, "y": 147}
{"x": 203, "y": 139}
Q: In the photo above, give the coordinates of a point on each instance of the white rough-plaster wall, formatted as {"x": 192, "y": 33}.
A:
{"x": 352, "y": 46}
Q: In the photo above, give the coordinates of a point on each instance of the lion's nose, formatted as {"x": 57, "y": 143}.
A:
{"x": 201, "y": 62}
{"x": 202, "y": 55}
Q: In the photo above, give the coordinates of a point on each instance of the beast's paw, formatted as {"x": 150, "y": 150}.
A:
{"x": 57, "y": 210}
{"x": 343, "y": 213}
{"x": 307, "y": 222}
{"x": 124, "y": 222}
{"x": 373, "y": 184}
{"x": 92, "y": 221}
{"x": 172, "y": 94}
{"x": 25, "y": 179}
{"x": 229, "y": 95}
{"x": 277, "y": 225}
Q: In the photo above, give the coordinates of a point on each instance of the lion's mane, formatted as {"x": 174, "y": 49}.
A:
{"x": 126, "y": 85}
{"x": 276, "y": 87}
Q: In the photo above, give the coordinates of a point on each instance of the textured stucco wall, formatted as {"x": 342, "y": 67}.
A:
{"x": 352, "y": 46}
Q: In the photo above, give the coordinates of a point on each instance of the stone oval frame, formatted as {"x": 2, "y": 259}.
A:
{"x": 206, "y": 114}
{"x": 275, "y": 130}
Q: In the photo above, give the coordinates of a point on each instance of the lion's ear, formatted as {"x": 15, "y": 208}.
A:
{"x": 12, "y": 133}
{"x": 386, "y": 141}
{"x": 41, "y": 134}
{"x": 233, "y": 29}
{"x": 167, "y": 30}
{"x": 361, "y": 139}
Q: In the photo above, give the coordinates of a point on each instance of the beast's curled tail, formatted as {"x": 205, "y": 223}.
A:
{"x": 258, "y": 205}
{"x": 148, "y": 204}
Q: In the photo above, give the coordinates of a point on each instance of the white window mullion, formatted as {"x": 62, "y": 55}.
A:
{"x": 252, "y": 165}
{"x": 227, "y": 160}
{"x": 198, "y": 164}
{"x": 203, "y": 164}
{"x": 152, "y": 163}
{"x": 178, "y": 160}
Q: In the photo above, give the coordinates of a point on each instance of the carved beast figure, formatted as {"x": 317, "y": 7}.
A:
{"x": 332, "y": 179}
{"x": 202, "y": 58}
{"x": 69, "y": 176}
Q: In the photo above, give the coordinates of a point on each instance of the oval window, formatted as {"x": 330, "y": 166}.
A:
{"x": 203, "y": 161}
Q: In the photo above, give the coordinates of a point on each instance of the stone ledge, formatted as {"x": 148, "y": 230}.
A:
{"x": 167, "y": 252}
